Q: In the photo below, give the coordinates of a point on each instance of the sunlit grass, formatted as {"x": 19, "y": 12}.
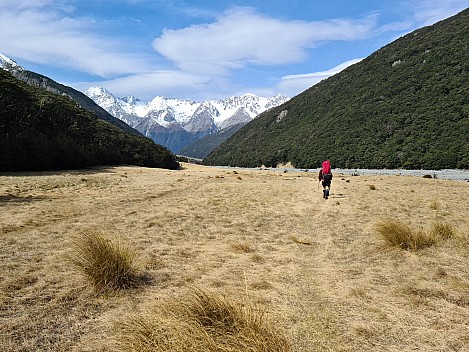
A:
{"x": 242, "y": 246}
{"x": 442, "y": 230}
{"x": 106, "y": 264}
{"x": 200, "y": 321}
{"x": 398, "y": 234}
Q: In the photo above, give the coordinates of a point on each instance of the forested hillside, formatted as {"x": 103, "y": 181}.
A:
{"x": 40, "y": 130}
{"x": 405, "y": 106}
{"x": 202, "y": 147}
{"x": 38, "y": 80}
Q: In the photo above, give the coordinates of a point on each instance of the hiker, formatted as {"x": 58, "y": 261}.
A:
{"x": 325, "y": 175}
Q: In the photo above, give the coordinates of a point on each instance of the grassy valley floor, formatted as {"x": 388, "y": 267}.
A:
{"x": 318, "y": 267}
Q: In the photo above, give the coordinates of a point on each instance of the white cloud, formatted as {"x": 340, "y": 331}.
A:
{"x": 292, "y": 85}
{"x": 13, "y": 5}
{"x": 428, "y": 12}
{"x": 40, "y": 31}
{"x": 181, "y": 84}
{"x": 147, "y": 85}
{"x": 204, "y": 56}
{"x": 241, "y": 37}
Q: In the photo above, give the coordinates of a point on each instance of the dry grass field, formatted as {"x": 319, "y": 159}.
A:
{"x": 320, "y": 269}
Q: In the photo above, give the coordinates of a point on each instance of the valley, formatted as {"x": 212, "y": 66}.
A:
{"x": 319, "y": 268}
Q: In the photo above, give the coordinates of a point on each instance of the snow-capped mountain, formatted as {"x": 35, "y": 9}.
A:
{"x": 175, "y": 122}
{"x": 44, "y": 82}
{"x": 8, "y": 64}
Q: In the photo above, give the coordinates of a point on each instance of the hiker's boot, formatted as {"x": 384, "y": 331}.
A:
{"x": 324, "y": 193}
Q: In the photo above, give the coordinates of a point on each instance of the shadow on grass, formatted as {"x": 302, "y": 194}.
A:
{"x": 11, "y": 198}
{"x": 86, "y": 171}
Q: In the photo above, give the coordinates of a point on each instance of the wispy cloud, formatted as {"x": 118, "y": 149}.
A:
{"x": 42, "y": 31}
{"x": 291, "y": 85}
{"x": 243, "y": 37}
{"x": 205, "y": 56}
{"x": 14, "y": 5}
{"x": 428, "y": 12}
{"x": 175, "y": 83}
{"x": 203, "y": 59}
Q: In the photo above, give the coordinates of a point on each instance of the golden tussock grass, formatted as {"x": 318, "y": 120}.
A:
{"x": 107, "y": 264}
{"x": 398, "y": 234}
{"x": 243, "y": 247}
{"x": 199, "y": 320}
{"x": 434, "y": 205}
{"x": 286, "y": 262}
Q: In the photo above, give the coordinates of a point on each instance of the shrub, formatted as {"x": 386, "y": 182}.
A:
{"x": 400, "y": 235}
{"x": 106, "y": 264}
{"x": 199, "y": 321}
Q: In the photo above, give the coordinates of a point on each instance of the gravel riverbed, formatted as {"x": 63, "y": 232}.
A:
{"x": 447, "y": 174}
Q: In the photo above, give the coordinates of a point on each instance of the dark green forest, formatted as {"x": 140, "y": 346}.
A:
{"x": 405, "y": 106}
{"x": 40, "y": 130}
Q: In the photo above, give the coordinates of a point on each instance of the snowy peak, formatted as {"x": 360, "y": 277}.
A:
{"x": 119, "y": 108}
{"x": 101, "y": 96}
{"x": 240, "y": 116}
{"x": 207, "y": 108}
{"x": 8, "y": 64}
{"x": 253, "y": 105}
{"x": 275, "y": 101}
{"x": 165, "y": 110}
{"x": 131, "y": 99}
{"x": 203, "y": 119}
{"x": 175, "y": 123}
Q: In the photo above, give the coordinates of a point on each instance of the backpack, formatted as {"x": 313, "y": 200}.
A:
{"x": 326, "y": 167}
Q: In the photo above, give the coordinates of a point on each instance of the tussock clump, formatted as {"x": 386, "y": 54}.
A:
{"x": 398, "y": 234}
{"x": 257, "y": 258}
{"x": 199, "y": 321}
{"x": 243, "y": 247}
{"x": 442, "y": 230}
{"x": 108, "y": 265}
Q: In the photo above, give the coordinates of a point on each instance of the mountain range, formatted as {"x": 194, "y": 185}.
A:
{"x": 43, "y": 127}
{"x": 176, "y": 123}
{"x": 40, "y": 81}
{"x": 193, "y": 128}
{"x": 404, "y": 106}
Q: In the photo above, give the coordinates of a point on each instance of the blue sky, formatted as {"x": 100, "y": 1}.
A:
{"x": 204, "y": 49}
